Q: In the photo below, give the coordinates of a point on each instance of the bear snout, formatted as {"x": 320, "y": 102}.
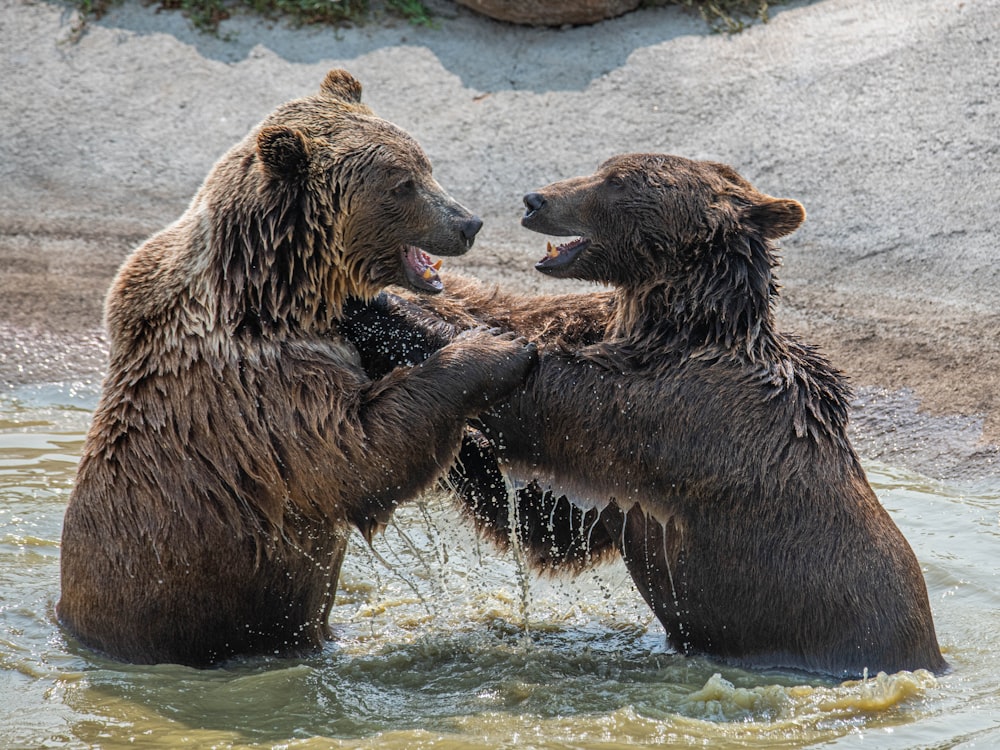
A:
{"x": 533, "y": 202}
{"x": 470, "y": 228}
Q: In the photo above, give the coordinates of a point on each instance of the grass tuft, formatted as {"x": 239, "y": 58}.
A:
{"x": 413, "y": 11}
{"x": 206, "y": 15}
{"x": 724, "y": 16}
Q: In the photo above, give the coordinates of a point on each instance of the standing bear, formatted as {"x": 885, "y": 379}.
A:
{"x": 238, "y": 438}
{"x": 676, "y": 426}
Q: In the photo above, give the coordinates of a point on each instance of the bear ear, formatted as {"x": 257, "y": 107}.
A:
{"x": 283, "y": 152}
{"x": 342, "y": 85}
{"x": 777, "y": 217}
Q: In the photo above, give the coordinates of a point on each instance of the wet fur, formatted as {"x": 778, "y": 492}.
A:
{"x": 238, "y": 438}
{"x": 714, "y": 445}
{"x": 395, "y": 330}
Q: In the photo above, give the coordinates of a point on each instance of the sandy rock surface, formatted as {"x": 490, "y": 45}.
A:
{"x": 881, "y": 116}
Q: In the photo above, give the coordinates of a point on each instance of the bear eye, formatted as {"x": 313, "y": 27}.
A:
{"x": 616, "y": 181}
{"x": 404, "y": 186}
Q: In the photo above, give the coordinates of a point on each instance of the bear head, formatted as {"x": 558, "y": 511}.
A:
{"x": 324, "y": 201}
{"x": 653, "y": 216}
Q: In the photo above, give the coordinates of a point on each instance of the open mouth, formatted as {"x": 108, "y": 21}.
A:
{"x": 421, "y": 270}
{"x": 558, "y": 257}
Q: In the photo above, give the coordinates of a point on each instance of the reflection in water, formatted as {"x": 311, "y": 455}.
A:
{"x": 441, "y": 642}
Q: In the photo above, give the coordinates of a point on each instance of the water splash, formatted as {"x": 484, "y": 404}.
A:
{"x": 517, "y": 550}
{"x": 442, "y": 644}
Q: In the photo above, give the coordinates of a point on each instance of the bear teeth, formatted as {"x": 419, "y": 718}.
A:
{"x": 560, "y": 257}
{"x": 554, "y": 251}
{"x": 430, "y": 271}
{"x": 421, "y": 269}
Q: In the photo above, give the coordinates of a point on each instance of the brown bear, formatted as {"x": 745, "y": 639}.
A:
{"x": 683, "y": 430}
{"x": 238, "y": 439}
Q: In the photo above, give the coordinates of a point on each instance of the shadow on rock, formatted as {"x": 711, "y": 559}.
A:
{"x": 507, "y": 57}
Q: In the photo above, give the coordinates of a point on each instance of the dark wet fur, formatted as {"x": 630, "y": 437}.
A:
{"x": 554, "y": 534}
{"x": 238, "y": 439}
{"x": 717, "y": 443}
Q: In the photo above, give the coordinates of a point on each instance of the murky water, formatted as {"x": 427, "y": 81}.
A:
{"x": 443, "y": 643}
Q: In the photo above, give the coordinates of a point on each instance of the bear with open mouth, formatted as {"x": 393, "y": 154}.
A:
{"x": 238, "y": 439}
{"x": 670, "y": 422}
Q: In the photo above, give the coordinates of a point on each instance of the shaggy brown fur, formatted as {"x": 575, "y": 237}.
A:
{"x": 707, "y": 446}
{"x": 395, "y": 331}
{"x": 238, "y": 438}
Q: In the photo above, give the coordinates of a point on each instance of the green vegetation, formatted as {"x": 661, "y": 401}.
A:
{"x": 722, "y": 15}
{"x": 413, "y": 11}
{"x": 729, "y": 16}
{"x": 207, "y": 14}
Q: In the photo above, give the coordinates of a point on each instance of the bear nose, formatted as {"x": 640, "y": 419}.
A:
{"x": 533, "y": 202}
{"x": 470, "y": 228}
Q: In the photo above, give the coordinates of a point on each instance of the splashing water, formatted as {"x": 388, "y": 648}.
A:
{"x": 441, "y": 642}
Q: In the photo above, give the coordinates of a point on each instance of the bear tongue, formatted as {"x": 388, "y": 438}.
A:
{"x": 421, "y": 270}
